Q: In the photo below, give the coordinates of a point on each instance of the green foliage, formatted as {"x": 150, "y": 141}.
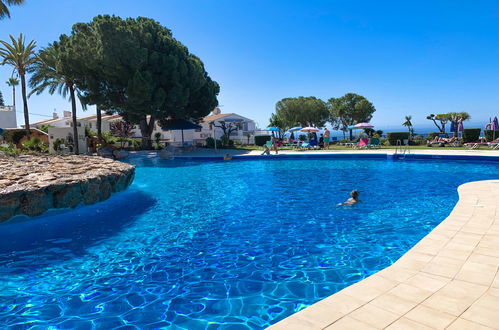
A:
{"x": 57, "y": 144}
{"x": 136, "y": 67}
{"x": 21, "y": 57}
{"x": 17, "y": 136}
{"x": 89, "y": 133}
{"x": 408, "y": 123}
{"x": 45, "y": 128}
{"x": 304, "y": 111}
{"x": 471, "y": 134}
{"x": 210, "y": 143}
{"x": 260, "y": 140}
{"x": 4, "y": 10}
{"x": 394, "y": 136}
{"x": 157, "y": 137}
{"x": 2, "y": 102}
{"x": 136, "y": 144}
{"x": 491, "y": 135}
{"x": 35, "y": 144}
{"x": 11, "y": 150}
{"x": 109, "y": 138}
{"x": 348, "y": 110}
{"x": 225, "y": 140}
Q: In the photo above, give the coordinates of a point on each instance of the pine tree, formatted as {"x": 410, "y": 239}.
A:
{"x": 2, "y": 103}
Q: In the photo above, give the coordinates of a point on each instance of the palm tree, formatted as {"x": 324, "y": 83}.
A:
{"x": 408, "y": 124}
{"x": 13, "y": 82}
{"x": 21, "y": 57}
{"x": 4, "y": 11}
{"x": 47, "y": 74}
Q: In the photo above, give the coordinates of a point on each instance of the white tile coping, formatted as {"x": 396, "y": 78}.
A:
{"x": 449, "y": 280}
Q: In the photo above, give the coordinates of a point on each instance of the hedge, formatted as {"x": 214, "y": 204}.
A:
{"x": 260, "y": 140}
{"x": 471, "y": 134}
{"x": 433, "y": 134}
{"x": 394, "y": 136}
{"x": 491, "y": 135}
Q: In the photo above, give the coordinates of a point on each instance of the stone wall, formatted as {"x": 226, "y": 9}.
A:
{"x": 31, "y": 185}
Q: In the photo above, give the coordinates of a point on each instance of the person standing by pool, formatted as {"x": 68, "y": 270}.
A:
{"x": 327, "y": 138}
{"x": 274, "y": 144}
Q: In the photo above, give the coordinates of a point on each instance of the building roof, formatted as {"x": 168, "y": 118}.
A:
{"x": 49, "y": 121}
{"x": 212, "y": 118}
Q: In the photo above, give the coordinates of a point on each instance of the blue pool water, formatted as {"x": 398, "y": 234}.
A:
{"x": 240, "y": 244}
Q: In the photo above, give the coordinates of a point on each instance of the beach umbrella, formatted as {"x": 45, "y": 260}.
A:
{"x": 362, "y": 125}
{"x": 273, "y": 129}
{"x": 494, "y": 127}
{"x": 179, "y": 124}
{"x": 309, "y": 129}
{"x": 294, "y": 129}
{"x": 495, "y": 124}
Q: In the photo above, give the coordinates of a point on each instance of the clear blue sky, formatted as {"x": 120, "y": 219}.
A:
{"x": 407, "y": 57}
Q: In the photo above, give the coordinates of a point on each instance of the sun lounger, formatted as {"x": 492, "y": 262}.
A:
{"x": 494, "y": 144}
{"x": 475, "y": 145}
{"x": 374, "y": 143}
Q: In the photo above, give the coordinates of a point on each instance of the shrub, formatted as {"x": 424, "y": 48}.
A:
{"x": 231, "y": 143}
{"x": 210, "y": 143}
{"x": 11, "y": 150}
{"x": 433, "y": 134}
{"x": 471, "y": 134}
{"x": 33, "y": 144}
{"x": 394, "y": 136}
{"x": 260, "y": 140}
{"x": 136, "y": 144}
{"x": 17, "y": 136}
{"x": 109, "y": 138}
{"x": 57, "y": 144}
{"x": 490, "y": 134}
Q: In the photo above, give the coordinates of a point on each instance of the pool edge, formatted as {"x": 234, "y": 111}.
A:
{"x": 445, "y": 279}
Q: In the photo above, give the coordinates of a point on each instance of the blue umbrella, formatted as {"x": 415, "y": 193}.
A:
{"x": 294, "y": 129}
{"x": 273, "y": 129}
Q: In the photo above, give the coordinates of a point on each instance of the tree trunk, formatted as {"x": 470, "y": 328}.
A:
{"x": 14, "y": 96}
{"x": 146, "y": 129}
{"x": 99, "y": 124}
{"x": 350, "y": 134}
{"x": 75, "y": 122}
{"x": 25, "y": 103}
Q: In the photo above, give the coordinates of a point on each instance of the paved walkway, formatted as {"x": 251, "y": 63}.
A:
{"x": 449, "y": 280}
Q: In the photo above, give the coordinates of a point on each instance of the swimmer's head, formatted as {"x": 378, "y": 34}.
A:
{"x": 354, "y": 194}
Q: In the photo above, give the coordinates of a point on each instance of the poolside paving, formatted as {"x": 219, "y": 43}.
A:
{"x": 449, "y": 280}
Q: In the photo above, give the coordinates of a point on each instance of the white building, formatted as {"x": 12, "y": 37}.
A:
{"x": 243, "y": 129}
{"x": 8, "y": 117}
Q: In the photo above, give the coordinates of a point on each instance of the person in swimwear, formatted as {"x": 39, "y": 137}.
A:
{"x": 354, "y": 198}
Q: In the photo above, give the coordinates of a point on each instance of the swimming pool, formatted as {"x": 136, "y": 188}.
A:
{"x": 197, "y": 244}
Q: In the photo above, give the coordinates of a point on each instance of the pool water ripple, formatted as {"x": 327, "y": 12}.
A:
{"x": 202, "y": 245}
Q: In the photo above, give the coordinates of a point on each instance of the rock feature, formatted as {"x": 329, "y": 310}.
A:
{"x": 30, "y": 185}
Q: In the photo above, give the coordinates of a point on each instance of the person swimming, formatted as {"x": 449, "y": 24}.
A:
{"x": 354, "y": 198}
